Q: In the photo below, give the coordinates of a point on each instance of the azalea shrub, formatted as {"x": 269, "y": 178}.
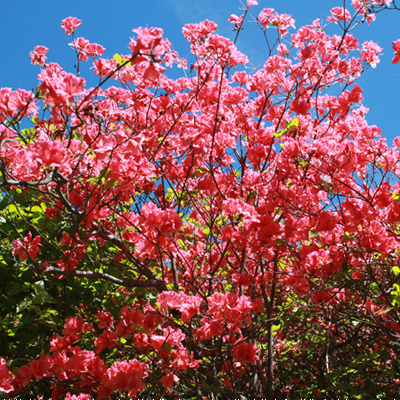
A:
{"x": 232, "y": 233}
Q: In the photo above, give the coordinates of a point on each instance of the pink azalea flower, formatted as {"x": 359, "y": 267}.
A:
{"x": 70, "y": 24}
{"x": 21, "y": 99}
{"x": 369, "y": 53}
{"x": 339, "y": 14}
{"x": 27, "y": 247}
{"x": 251, "y": 3}
{"x": 396, "y": 48}
{"x": 81, "y": 44}
{"x": 82, "y": 396}
{"x": 51, "y": 153}
{"x": 6, "y": 378}
{"x": 246, "y": 353}
{"x": 197, "y": 32}
{"x": 126, "y": 376}
{"x": 168, "y": 379}
{"x": 153, "y": 72}
{"x": 94, "y": 50}
{"x": 63, "y": 88}
{"x": 148, "y": 41}
{"x": 237, "y": 21}
{"x": 38, "y": 55}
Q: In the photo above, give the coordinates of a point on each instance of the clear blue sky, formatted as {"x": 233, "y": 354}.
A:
{"x": 27, "y": 23}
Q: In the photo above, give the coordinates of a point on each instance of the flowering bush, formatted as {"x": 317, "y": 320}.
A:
{"x": 219, "y": 235}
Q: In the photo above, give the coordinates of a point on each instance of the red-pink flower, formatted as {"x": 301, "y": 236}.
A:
{"x": 233, "y": 207}
{"x": 171, "y": 336}
{"x": 339, "y": 14}
{"x": 171, "y": 300}
{"x": 126, "y": 376}
{"x": 326, "y": 222}
{"x": 369, "y": 53}
{"x": 268, "y": 17}
{"x": 41, "y": 367}
{"x": 360, "y": 382}
{"x": 51, "y": 153}
{"x": 246, "y": 353}
{"x": 149, "y": 41}
{"x": 182, "y": 359}
{"x": 21, "y": 99}
{"x": 382, "y": 2}
{"x": 27, "y": 247}
{"x": 58, "y": 343}
{"x": 153, "y": 72}
{"x": 63, "y": 88}
{"x": 82, "y": 396}
{"x": 70, "y": 24}
{"x": 166, "y": 221}
{"x": 300, "y": 107}
{"x": 6, "y": 377}
{"x": 237, "y": 21}
{"x": 198, "y": 32}
{"x": 168, "y": 379}
{"x": 38, "y": 55}
{"x": 108, "y": 339}
{"x": 251, "y": 3}
{"x": 191, "y": 307}
{"x": 80, "y": 44}
{"x": 187, "y": 305}
{"x": 105, "y": 319}
{"x": 264, "y": 17}
{"x": 370, "y": 17}
{"x": 94, "y": 50}
{"x": 74, "y": 325}
{"x": 396, "y": 48}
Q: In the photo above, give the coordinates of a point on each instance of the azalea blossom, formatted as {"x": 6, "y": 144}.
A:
{"x": 339, "y": 14}
{"x": 70, "y": 24}
{"x": 246, "y": 353}
{"x": 396, "y": 48}
{"x": 6, "y": 377}
{"x": 38, "y": 55}
{"x": 251, "y": 3}
{"x": 369, "y": 53}
{"x": 27, "y": 247}
{"x": 237, "y": 21}
{"x": 177, "y": 235}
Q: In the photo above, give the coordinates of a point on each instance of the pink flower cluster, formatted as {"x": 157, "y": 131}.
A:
{"x": 70, "y": 24}
{"x": 214, "y": 203}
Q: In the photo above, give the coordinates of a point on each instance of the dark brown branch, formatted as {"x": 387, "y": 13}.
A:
{"x": 155, "y": 283}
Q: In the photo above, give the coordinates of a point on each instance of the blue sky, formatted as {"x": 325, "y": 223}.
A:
{"x": 28, "y": 23}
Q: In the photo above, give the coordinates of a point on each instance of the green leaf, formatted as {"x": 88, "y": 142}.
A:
{"x": 120, "y": 60}
{"x": 38, "y": 286}
{"x": 139, "y": 328}
{"x": 396, "y": 291}
{"x": 303, "y": 163}
{"x": 396, "y": 196}
{"x": 294, "y": 124}
{"x": 202, "y": 170}
{"x": 40, "y": 209}
{"x": 117, "y": 58}
{"x": 280, "y": 133}
{"x": 24, "y": 304}
{"x": 111, "y": 183}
